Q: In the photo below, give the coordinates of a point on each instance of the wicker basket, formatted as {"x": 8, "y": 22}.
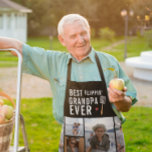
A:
{"x": 6, "y": 129}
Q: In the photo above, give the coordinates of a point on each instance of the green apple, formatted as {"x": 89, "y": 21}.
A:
{"x": 117, "y": 83}
{"x": 8, "y": 111}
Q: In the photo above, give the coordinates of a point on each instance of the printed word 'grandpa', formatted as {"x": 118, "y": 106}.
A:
{"x": 83, "y": 101}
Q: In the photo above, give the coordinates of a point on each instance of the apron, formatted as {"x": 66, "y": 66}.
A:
{"x": 90, "y": 124}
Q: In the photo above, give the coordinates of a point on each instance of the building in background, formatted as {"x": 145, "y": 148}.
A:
{"x": 13, "y": 20}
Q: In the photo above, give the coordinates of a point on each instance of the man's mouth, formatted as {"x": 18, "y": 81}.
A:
{"x": 81, "y": 46}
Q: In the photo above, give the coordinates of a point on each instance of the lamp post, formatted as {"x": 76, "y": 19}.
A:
{"x": 125, "y": 14}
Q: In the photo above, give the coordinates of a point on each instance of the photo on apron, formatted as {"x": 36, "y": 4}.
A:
{"x": 101, "y": 136}
{"x": 74, "y": 126}
{"x": 92, "y": 135}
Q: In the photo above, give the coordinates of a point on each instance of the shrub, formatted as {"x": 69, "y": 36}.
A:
{"x": 107, "y": 33}
{"x": 148, "y": 37}
{"x": 92, "y": 32}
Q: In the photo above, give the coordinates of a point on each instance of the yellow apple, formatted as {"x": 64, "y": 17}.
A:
{"x": 117, "y": 83}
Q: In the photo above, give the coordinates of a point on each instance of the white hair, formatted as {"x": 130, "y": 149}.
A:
{"x": 69, "y": 19}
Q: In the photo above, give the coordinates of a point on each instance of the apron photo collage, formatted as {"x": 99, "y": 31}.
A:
{"x": 92, "y": 135}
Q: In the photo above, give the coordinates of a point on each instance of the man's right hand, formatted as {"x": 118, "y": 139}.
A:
{"x": 7, "y": 43}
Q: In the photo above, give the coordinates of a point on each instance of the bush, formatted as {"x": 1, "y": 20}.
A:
{"x": 148, "y": 37}
{"x": 107, "y": 33}
{"x": 93, "y": 33}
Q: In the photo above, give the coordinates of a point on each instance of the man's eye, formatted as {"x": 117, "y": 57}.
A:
{"x": 72, "y": 36}
{"x": 83, "y": 33}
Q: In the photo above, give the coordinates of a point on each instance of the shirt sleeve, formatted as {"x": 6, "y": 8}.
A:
{"x": 113, "y": 63}
{"x": 131, "y": 91}
{"x": 35, "y": 61}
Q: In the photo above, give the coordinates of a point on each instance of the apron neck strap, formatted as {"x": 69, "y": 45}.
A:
{"x": 69, "y": 71}
{"x": 98, "y": 64}
{"x": 99, "y": 67}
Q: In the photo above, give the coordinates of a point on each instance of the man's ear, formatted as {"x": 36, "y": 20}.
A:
{"x": 61, "y": 39}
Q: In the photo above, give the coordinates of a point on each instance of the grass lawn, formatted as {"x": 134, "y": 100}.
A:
{"x": 134, "y": 47}
{"x": 138, "y": 129}
{"x": 7, "y": 60}
{"x": 44, "y": 132}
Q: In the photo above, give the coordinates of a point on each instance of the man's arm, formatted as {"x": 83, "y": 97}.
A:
{"x": 120, "y": 100}
{"x": 6, "y": 43}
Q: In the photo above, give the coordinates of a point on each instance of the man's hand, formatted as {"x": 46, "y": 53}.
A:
{"x": 7, "y": 43}
{"x": 119, "y": 99}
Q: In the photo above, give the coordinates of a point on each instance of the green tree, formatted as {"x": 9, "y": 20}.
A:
{"x": 108, "y": 15}
{"x": 47, "y": 13}
{"x": 100, "y": 13}
{"x": 142, "y": 9}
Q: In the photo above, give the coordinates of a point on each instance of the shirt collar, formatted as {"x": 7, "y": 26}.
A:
{"x": 90, "y": 56}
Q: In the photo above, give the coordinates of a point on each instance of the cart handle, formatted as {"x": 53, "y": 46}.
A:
{"x": 8, "y": 97}
{"x": 18, "y": 97}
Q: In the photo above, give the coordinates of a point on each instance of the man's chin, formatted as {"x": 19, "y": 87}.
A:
{"x": 83, "y": 50}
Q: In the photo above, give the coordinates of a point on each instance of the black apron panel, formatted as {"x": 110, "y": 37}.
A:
{"x": 99, "y": 109}
{"x": 87, "y": 105}
{"x": 78, "y": 96}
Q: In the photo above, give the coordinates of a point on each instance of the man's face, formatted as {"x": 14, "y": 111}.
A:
{"x": 76, "y": 38}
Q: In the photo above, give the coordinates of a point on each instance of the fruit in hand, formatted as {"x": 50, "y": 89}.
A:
{"x": 117, "y": 83}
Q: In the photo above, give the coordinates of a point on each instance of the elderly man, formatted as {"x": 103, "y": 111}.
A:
{"x": 79, "y": 79}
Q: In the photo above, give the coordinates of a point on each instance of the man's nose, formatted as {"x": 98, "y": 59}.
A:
{"x": 80, "y": 39}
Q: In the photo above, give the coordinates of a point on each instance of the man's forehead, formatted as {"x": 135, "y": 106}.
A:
{"x": 74, "y": 28}
{"x": 75, "y": 23}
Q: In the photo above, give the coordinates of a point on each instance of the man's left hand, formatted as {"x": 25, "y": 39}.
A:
{"x": 119, "y": 99}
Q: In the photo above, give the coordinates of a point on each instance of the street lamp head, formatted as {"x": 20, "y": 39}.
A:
{"x": 123, "y": 13}
{"x": 131, "y": 13}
